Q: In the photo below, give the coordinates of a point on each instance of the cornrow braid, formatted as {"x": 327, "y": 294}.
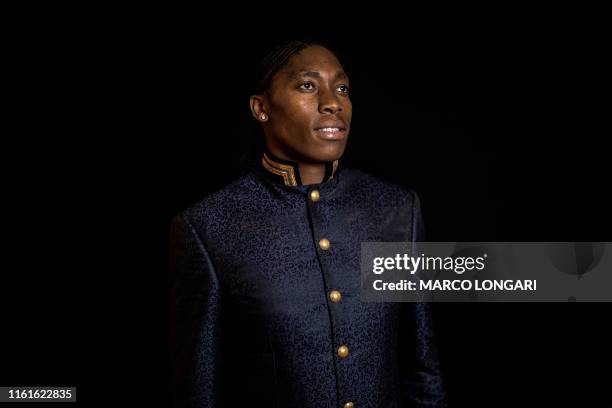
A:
{"x": 275, "y": 60}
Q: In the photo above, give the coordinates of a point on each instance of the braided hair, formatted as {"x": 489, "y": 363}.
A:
{"x": 278, "y": 57}
{"x": 274, "y": 61}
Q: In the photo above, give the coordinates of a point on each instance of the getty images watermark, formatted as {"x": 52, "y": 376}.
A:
{"x": 486, "y": 271}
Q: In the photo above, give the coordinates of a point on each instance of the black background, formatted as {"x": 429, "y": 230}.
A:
{"x": 117, "y": 123}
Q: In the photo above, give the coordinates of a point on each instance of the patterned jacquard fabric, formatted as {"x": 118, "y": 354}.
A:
{"x": 253, "y": 318}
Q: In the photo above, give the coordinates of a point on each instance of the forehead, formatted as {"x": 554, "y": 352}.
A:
{"x": 314, "y": 58}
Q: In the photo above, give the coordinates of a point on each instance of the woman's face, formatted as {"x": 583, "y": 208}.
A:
{"x": 309, "y": 108}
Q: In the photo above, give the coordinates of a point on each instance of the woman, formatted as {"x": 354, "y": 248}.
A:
{"x": 265, "y": 303}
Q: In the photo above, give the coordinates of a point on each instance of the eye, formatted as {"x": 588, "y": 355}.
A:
{"x": 343, "y": 89}
{"x": 307, "y": 86}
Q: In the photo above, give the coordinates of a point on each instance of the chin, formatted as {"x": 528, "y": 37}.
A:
{"x": 326, "y": 155}
{"x": 329, "y": 153}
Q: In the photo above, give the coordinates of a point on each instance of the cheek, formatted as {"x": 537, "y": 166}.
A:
{"x": 298, "y": 116}
{"x": 285, "y": 105}
{"x": 348, "y": 108}
{"x": 304, "y": 110}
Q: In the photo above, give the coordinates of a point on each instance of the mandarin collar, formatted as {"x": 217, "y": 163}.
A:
{"x": 287, "y": 172}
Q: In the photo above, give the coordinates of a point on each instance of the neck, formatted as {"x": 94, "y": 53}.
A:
{"x": 311, "y": 173}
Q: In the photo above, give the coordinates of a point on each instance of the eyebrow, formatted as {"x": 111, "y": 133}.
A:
{"x": 316, "y": 74}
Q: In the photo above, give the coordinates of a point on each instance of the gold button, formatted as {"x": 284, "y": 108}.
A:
{"x": 335, "y": 296}
{"x": 348, "y": 405}
{"x": 314, "y": 195}
{"x": 343, "y": 351}
{"x": 324, "y": 244}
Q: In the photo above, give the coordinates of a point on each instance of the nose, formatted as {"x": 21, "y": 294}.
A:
{"x": 328, "y": 102}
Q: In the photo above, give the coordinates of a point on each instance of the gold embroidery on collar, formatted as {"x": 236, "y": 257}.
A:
{"x": 284, "y": 170}
{"x": 335, "y": 166}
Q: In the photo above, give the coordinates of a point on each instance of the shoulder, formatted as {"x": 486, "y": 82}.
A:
{"x": 222, "y": 204}
{"x": 376, "y": 189}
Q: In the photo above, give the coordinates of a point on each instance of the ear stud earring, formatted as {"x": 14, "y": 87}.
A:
{"x": 263, "y": 116}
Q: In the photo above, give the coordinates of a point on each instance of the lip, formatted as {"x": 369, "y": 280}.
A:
{"x": 338, "y": 134}
{"x": 331, "y": 135}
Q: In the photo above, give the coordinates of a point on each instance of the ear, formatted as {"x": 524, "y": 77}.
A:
{"x": 258, "y": 108}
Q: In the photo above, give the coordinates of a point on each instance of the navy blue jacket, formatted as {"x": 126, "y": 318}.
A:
{"x": 265, "y": 305}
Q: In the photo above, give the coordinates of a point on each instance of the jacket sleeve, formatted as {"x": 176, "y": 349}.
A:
{"x": 421, "y": 380}
{"x": 195, "y": 301}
